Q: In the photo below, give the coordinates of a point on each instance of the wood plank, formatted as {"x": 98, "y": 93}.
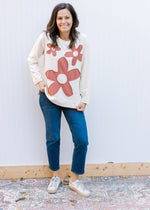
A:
{"x": 103, "y": 169}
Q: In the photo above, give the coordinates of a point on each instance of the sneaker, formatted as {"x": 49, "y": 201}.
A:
{"x": 79, "y": 187}
{"x": 54, "y": 184}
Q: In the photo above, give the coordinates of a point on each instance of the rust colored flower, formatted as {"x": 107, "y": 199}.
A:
{"x": 52, "y": 50}
{"x": 75, "y": 54}
{"x": 62, "y": 78}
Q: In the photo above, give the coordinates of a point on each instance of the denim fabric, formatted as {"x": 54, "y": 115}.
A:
{"x": 77, "y": 125}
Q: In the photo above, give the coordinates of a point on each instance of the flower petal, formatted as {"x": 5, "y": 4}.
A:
{"x": 49, "y": 45}
{"x": 67, "y": 89}
{"x": 62, "y": 65}
{"x": 69, "y": 54}
{"x": 53, "y": 88}
{"x": 80, "y": 57}
{"x": 51, "y": 75}
{"x": 49, "y": 51}
{"x": 73, "y": 74}
{"x": 57, "y": 48}
{"x": 74, "y": 60}
{"x": 53, "y": 53}
{"x": 73, "y": 48}
{"x": 79, "y": 48}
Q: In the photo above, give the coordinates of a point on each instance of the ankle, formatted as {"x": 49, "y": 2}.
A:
{"x": 55, "y": 173}
{"x": 74, "y": 177}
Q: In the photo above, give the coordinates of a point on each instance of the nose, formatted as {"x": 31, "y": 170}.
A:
{"x": 63, "y": 20}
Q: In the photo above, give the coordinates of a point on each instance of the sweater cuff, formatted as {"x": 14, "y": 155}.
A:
{"x": 37, "y": 81}
{"x": 85, "y": 100}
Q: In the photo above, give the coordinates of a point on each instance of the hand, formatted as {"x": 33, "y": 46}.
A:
{"x": 41, "y": 86}
{"x": 81, "y": 107}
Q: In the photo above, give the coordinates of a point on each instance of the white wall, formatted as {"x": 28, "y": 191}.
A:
{"x": 118, "y": 116}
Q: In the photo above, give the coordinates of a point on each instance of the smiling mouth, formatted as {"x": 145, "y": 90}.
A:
{"x": 64, "y": 26}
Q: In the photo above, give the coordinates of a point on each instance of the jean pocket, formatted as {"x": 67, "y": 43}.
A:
{"x": 41, "y": 98}
{"x": 41, "y": 92}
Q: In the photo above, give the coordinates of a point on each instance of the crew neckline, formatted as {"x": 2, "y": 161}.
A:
{"x": 63, "y": 43}
{"x": 67, "y": 41}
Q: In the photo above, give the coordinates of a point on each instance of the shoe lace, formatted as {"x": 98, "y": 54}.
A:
{"x": 54, "y": 182}
{"x": 81, "y": 185}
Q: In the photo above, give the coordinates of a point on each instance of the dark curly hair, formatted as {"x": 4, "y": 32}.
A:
{"x": 53, "y": 30}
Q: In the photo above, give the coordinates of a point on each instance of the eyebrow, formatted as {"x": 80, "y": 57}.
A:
{"x": 62, "y": 16}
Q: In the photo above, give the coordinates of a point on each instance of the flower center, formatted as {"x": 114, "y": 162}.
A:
{"x": 62, "y": 78}
{"x": 75, "y": 53}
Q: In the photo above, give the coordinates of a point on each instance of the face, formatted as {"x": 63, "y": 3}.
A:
{"x": 64, "y": 20}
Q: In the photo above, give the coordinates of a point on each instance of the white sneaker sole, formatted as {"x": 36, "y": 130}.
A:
{"x": 77, "y": 191}
{"x": 52, "y": 191}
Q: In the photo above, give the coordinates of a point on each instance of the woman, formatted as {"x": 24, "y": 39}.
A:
{"x": 63, "y": 88}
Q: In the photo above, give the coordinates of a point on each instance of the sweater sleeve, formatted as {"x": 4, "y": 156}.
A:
{"x": 33, "y": 59}
{"x": 84, "y": 79}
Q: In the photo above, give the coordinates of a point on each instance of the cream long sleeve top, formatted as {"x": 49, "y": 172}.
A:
{"x": 65, "y": 70}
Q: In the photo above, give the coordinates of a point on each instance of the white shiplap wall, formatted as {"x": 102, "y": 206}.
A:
{"x": 118, "y": 116}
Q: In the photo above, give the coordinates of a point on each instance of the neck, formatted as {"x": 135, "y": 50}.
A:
{"x": 65, "y": 36}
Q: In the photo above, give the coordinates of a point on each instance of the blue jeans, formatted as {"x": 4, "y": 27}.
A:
{"x": 77, "y": 125}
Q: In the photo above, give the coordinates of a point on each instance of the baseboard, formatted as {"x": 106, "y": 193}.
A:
{"x": 106, "y": 169}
